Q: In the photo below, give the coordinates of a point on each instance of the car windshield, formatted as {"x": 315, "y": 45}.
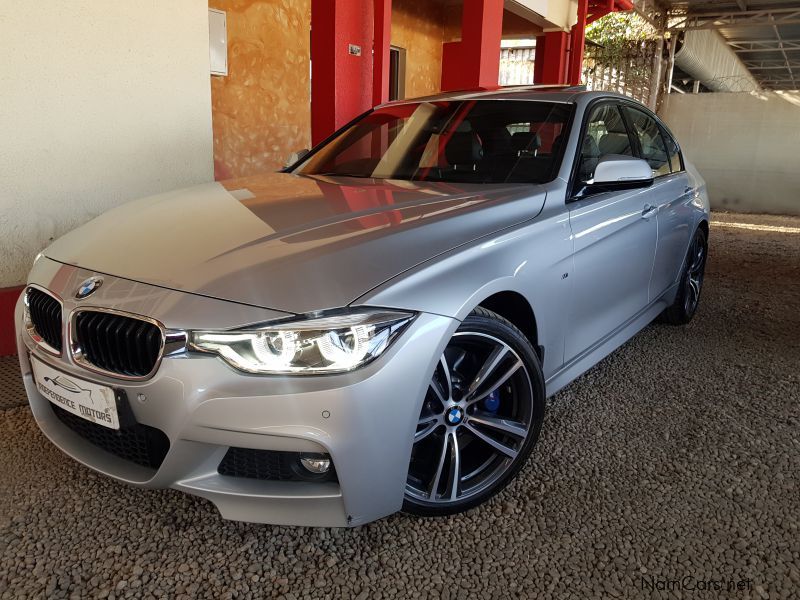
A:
{"x": 478, "y": 141}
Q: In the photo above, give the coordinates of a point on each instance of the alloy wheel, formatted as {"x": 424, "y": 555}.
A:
{"x": 475, "y": 420}
{"x": 695, "y": 269}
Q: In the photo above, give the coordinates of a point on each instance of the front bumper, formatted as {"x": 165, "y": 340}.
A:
{"x": 364, "y": 420}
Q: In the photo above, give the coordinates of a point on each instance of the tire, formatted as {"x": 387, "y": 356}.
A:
{"x": 691, "y": 283}
{"x": 475, "y": 432}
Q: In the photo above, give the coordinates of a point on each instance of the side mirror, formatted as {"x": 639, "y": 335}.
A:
{"x": 295, "y": 156}
{"x": 619, "y": 172}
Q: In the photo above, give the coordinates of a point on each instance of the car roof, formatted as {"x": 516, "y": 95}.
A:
{"x": 543, "y": 93}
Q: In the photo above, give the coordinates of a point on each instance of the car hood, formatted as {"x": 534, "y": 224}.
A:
{"x": 291, "y": 243}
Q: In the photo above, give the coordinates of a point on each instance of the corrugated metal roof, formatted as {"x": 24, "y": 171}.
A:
{"x": 764, "y": 34}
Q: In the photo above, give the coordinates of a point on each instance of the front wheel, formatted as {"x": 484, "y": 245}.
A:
{"x": 480, "y": 419}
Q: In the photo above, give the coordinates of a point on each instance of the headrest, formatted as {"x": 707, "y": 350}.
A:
{"x": 525, "y": 141}
{"x": 496, "y": 140}
{"x": 614, "y": 143}
{"x": 463, "y": 148}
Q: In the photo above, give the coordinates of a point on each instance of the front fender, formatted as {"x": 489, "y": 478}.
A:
{"x": 533, "y": 260}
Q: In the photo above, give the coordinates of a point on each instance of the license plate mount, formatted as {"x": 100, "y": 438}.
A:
{"x": 96, "y": 403}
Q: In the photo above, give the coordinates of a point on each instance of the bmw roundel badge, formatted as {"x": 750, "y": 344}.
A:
{"x": 455, "y": 415}
{"x": 88, "y": 287}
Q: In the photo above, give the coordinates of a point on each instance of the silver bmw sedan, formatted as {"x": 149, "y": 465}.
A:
{"x": 376, "y": 327}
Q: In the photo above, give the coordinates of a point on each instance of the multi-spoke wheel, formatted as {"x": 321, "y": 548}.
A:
{"x": 480, "y": 419}
{"x": 688, "y": 297}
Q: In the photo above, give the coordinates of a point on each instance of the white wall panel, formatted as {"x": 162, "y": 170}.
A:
{"x": 744, "y": 144}
{"x": 100, "y": 103}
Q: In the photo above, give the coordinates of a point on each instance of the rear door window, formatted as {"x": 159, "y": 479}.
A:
{"x": 674, "y": 152}
{"x": 651, "y": 143}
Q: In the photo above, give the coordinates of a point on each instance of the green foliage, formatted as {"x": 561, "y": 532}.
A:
{"x": 620, "y": 29}
{"x": 619, "y": 54}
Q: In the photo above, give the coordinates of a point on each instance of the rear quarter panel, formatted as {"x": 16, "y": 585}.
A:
{"x": 702, "y": 201}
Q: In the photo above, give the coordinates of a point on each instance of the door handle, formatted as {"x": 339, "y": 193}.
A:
{"x": 688, "y": 189}
{"x": 649, "y": 211}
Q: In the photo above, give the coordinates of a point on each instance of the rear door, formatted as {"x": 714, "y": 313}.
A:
{"x": 671, "y": 193}
{"x": 614, "y": 236}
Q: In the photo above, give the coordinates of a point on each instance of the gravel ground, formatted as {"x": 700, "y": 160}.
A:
{"x": 677, "y": 457}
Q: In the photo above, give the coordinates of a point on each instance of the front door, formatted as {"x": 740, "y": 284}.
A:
{"x": 614, "y": 242}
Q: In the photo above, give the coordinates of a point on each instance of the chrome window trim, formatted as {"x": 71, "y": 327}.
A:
{"x": 173, "y": 342}
{"x": 31, "y": 329}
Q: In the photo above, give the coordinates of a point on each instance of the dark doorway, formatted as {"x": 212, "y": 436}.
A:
{"x": 397, "y": 73}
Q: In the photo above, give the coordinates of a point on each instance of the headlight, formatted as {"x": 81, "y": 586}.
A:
{"x": 331, "y": 344}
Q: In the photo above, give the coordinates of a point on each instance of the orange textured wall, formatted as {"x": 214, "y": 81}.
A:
{"x": 261, "y": 109}
{"x": 419, "y": 28}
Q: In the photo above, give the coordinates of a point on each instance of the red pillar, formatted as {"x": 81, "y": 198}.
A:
{"x": 8, "y": 300}
{"x": 551, "y": 58}
{"x": 538, "y": 62}
{"x": 341, "y": 80}
{"x": 383, "y": 35}
{"x": 474, "y": 62}
{"x": 577, "y": 40}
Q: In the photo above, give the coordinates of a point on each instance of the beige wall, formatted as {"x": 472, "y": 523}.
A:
{"x": 745, "y": 146}
{"x": 262, "y": 108}
{"x": 551, "y": 15}
{"x": 418, "y": 27}
{"x": 100, "y": 103}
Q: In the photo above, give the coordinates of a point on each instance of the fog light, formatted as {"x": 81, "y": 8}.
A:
{"x": 316, "y": 464}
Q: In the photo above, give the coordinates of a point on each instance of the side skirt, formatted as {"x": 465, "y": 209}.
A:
{"x": 593, "y": 355}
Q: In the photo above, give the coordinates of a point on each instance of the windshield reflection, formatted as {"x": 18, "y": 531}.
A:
{"x": 469, "y": 141}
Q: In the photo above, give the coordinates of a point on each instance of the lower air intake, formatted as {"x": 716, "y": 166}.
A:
{"x": 140, "y": 444}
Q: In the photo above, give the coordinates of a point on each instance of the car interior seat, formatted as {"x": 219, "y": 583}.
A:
{"x": 463, "y": 152}
{"x": 499, "y": 155}
{"x": 526, "y": 143}
{"x": 614, "y": 142}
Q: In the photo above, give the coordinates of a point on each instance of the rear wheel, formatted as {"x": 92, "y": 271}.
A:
{"x": 480, "y": 419}
{"x": 688, "y": 297}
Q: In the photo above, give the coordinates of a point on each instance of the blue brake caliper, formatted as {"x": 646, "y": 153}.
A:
{"x": 492, "y": 402}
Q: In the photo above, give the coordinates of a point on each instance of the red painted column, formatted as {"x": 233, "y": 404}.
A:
{"x": 551, "y": 58}
{"x": 380, "y": 67}
{"x": 577, "y": 41}
{"x": 341, "y": 82}
{"x": 8, "y": 300}
{"x": 474, "y": 62}
{"x": 538, "y": 59}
